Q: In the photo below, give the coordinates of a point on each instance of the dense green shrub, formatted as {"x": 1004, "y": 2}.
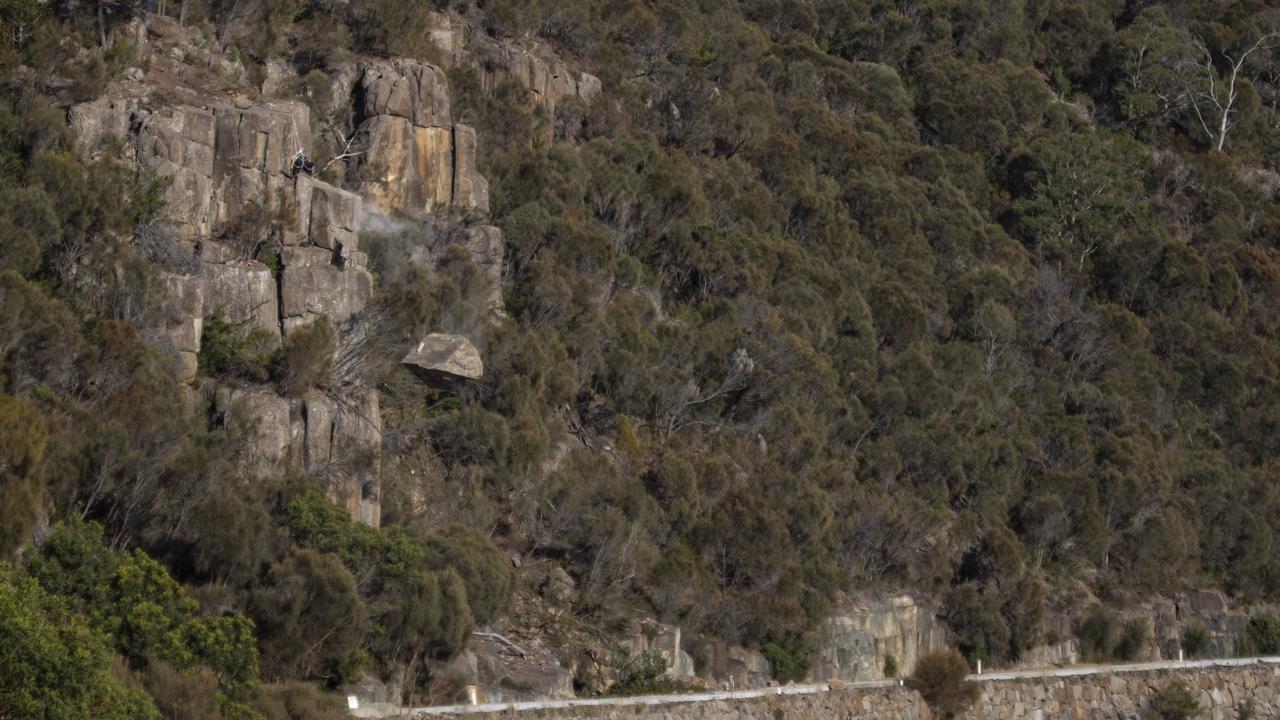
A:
{"x": 1264, "y": 633}
{"x": 941, "y": 679}
{"x": 306, "y": 360}
{"x": 231, "y": 350}
{"x": 1134, "y": 640}
{"x": 788, "y": 660}
{"x": 148, "y": 617}
{"x": 1195, "y": 640}
{"x": 644, "y": 674}
{"x": 53, "y": 664}
{"x": 1097, "y": 634}
{"x": 1175, "y": 701}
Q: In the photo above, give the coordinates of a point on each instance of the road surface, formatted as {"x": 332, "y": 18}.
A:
{"x": 809, "y": 689}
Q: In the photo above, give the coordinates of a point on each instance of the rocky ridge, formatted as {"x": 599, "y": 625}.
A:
{"x": 226, "y": 155}
{"x": 226, "y": 158}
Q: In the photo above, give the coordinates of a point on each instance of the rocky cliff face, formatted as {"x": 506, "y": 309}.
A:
{"x": 231, "y": 159}
{"x": 220, "y": 163}
{"x": 857, "y": 639}
{"x": 415, "y": 158}
{"x": 530, "y": 65}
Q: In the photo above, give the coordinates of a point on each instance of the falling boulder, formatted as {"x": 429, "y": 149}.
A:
{"x": 442, "y": 360}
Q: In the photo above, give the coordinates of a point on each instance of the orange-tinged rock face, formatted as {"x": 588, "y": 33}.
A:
{"x": 412, "y": 159}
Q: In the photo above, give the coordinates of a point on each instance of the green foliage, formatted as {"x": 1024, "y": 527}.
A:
{"x": 231, "y": 350}
{"x": 890, "y": 669}
{"x": 299, "y": 701}
{"x": 981, "y": 632}
{"x": 1135, "y": 638}
{"x": 1103, "y": 638}
{"x": 423, "y": 595}
{"x": 941, "y": 679}
{"x": 310, "y": 616}
{"x": 52, "y": 664}
{"x": 1264, "y": 633}
{"x": 23, "y": 439}
{"x": 1097, "y": 634}
{"x": 1175, "y": 701}
{"x": 485, "y": 573}
{"x": 306, "y": 359}
{"x": 132, "y": 600}
{"x": 1195, "y": 640}
{"x": 955, "y": 296}
{"x": 644, "y": 674}
{"x": 788, "y": 660}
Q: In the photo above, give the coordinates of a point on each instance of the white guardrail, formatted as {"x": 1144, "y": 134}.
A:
{"x": 382, "y": 712}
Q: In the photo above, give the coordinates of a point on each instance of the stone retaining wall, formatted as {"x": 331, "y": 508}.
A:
{"x": 1226, "y": 692}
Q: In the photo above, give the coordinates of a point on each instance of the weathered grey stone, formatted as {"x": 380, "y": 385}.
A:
{"x": 417, "y": 92}
{"x": 484, "y": 242}
{"x": 184, "y": 320}
{"x": 96, "y": 123}
{"x": 856, "y": 639}
{"x": 729, "y": 666}
{"x": 312, "y": 286}
{"x": 505, "y": 674}
{"x": 244, "y": 292}
{"x": 317, "y": 413}
{"x": 558, "y": 587}
{"x": 446, "y": 35}
{"x": 470, "y": 190}
{"x": 340, "y": 442}
{"x": 221, "y": 159}
{"x": 327, "y": 216}
{"x": 664, "y": 641}
{"x": 440, "y": 359}
{"x": 588, "y": 86}
{"x": 262, "y": 418}
{"x": 278, "y": 78}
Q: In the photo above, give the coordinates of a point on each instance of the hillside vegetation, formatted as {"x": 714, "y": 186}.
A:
{"x": 977, "y": 299}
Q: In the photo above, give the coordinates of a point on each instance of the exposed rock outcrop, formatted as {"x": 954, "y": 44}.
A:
{"x": 548, "y": 79}
{"x": 262, "y": 418}
{"x": 663, "y": 641}
{"x": 415, "y": 158}
{"x": 441, "y": 360}
{"x": 730, "y": 666}
{"x": 229, "y": 160}
{"x": 244, "y": 292}
{"x": 857, "y": 638}
{"x": 183, "y": 309}
{"x": 220, "y": 160}
{"x": 315, "y": 283}
{"x": 336, "y": 439}
{"x": 504, "y": 672}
